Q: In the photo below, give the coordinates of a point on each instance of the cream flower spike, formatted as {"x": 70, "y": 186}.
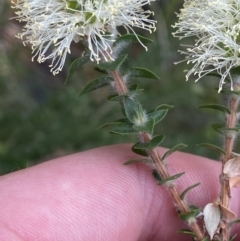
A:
{"x": 59, "y": 22}
{"x": 216, "y": 26}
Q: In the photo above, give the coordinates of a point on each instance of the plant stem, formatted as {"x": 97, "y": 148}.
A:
{"x": 229, "y": 142}
{"x": 161, "y": 168}
{"x": 229, "y": 137}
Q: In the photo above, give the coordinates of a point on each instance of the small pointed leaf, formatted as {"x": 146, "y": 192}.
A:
{"x": 109, "y": 124}
{"x": 117, "y": 97}
{"x": 124, "y": 129}
{"x": 142, "y": 73}
{"x": 213, "y": 148}
{"x": 214, "y": 74}
{"x": 216, "y": 107}
{"x": 76, "y": 64}
{"x": 197, "y": 210}
{"x": 187, "y": 231}
{"x": 95, "y": 84}
{"x": 133, "y": 87}
{"x": 173, "y": 149}
{"x": 100, "y": 70}
{"x": 127, "y": 39}
{"x": 229, "y": 129}
{"x": 158, "y": 115}
{"x": 148, "y": 161}
{"x": 160, "y": 112}
{"x": 135, "y": 113}
{"x": 133, "y": 109}
{"x": 164, "y": 107}
{"x": 171, "y": 178}
{"x": 221, "y": 128}
{"x": 139, "y": 151}
{"x": 112, "y": 65}
{"x": 217, "y": 127}
{"x": 188, "y": 216}
{"x": 114, "y": 97}
{"x": 134, "y": 92}
{"x": 152, "y": 144}
{"x": 188, "y": 189}
{"x": 194, "y": 208}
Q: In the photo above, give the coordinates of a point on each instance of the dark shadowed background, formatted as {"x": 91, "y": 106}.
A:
{"x": 42, "y": 118}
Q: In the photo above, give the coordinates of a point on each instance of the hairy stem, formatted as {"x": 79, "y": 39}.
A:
{"x": 229, "y": 137}
{"x": 182, "y": 206}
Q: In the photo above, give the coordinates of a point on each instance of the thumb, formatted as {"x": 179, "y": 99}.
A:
{"x": 93, "y": 196}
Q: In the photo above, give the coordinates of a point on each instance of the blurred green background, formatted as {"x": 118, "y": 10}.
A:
{"x": 42, "y": 118}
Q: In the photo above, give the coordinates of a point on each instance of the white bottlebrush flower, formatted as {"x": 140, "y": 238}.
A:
{"x": 216, "y": 26}
{"x": 59, "y": 22}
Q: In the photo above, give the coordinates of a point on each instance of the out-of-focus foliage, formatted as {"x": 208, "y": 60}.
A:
{"x": 41, "y": 118}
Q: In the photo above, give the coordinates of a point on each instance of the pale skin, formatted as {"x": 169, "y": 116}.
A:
{"x": 92, "y": 196}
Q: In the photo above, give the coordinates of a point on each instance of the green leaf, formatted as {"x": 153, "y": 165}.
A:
{"x": 100, "y": 70}
{"x": 133, "y": 87}
{"x": 148, "y": 127}
{"x": 159, "y": 113}
{"x": 229, "y": 129}
{"x": 124, "y": 129}
{"x": 117, "y": 97}
{"x": 149, "y": 161}
{"x": 133, "y": 110}
{"x": 188, "y": 216}
{"x": 76, "y": 64}
{"x": 112, "y": 65}
{"x": 152, "y": 144}
{"x": 171, "y": 178}
{"x": 213, "y": 148}
{"x": 214, "y": 74}
{"x": 139, "y": 151}
{"x": 114, "y": 97}
{"x": 164, "y": 107}
{"x": 109, "y": 124}
{"x": 195, "y": 209}
{"x": 132, "y": 107}
{"x": 127, "y": 39}
{"x": 187, "y": 231}
{"x": 173, "y": 149}
{"x": 95, "y": 84}
{"x": 216, "y": 107}
{"x": 188, "y": 189}
{"x": 142, "y": 73}
{"x": 156, "y": 175}
{"x": 217, "y": 127}
{"x": 133, "y": 93}
{"x": 220, "y": 128}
